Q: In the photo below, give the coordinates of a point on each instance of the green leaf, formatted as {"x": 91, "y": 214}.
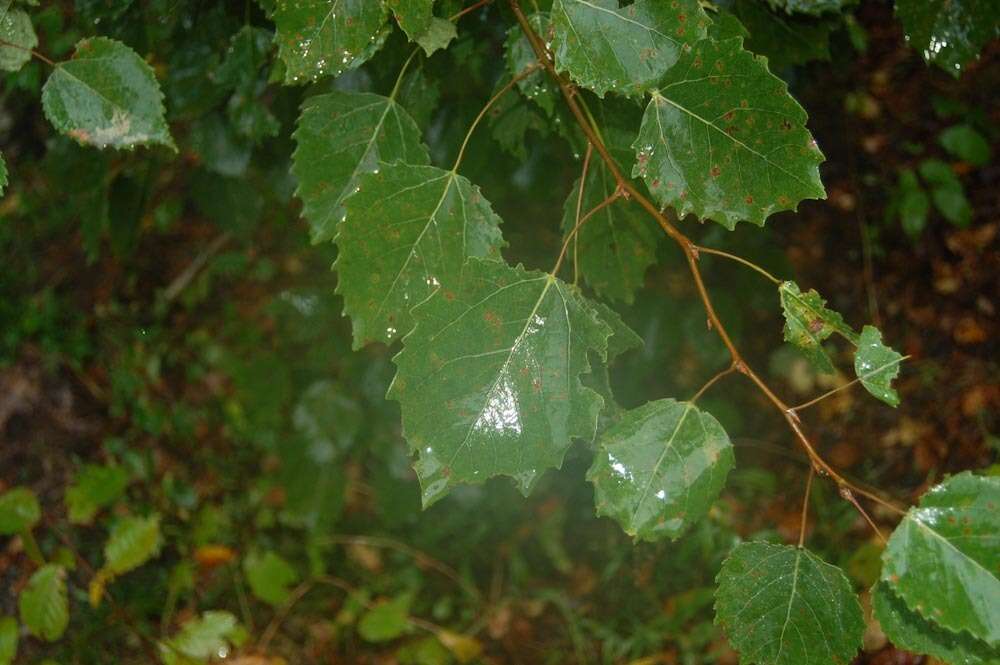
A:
{"x": 784, "y": 40}
{"x": 19, "y": 510}
{"x": 808, "y": 323}
{"x": 877, "y": 365}
{"x": 3, "y": 174}
{"x": 8, "y": 640}
{"x": 659, "y": 469}
{"x": 723, "y": 139}
{"x": 782, "y": 605}
{"x": 908, "y": 630}
{"x": 413, "y": 16}
{"x": 341, "y": 135}
{"x": 44, "y": 605}
{"x": 520, "y": 55}
{"x": 270, "y": 577}
{"x": 133, "y": 541}
{"x": 489, "y": 379}
{"x": 320, "y": 37}
{"x": 726, "y": 26}
{"x": 627, "y": 50}
{"x": 967, "y": 144}
{"x": 312, "y": 469}
{"x": 201, "y": 639}
{"x": 386, "y": 621}
{"x": 943, "y": 558}
{"x": 106, "y": 96}
{"x": 438, "y": 36}
{"x": 95, "y": 488}
{"x": 948, "y": 33}
{"x": 16, "y": 29}
{"x": 914, "y": 204}
{"x": 408, "y": 230}
{"x": 617, "y": 245}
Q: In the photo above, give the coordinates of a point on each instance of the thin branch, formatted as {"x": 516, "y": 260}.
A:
{"x": 846, "y": 385}
{"x": 177, "y": 286}
{"x": 732, "y": 257}
{"x": 805, "y": 507}
{"x": 4, "y": 42}
{"x": 687, "y": 246}
{"x": 528, "y": 71}
{"x": 614, "y": 196}
{"x": 579, "y": 206}
{"x": 847, "y": 495}
{"x": 726, "y": 372}
{"x": 469, "y": 9}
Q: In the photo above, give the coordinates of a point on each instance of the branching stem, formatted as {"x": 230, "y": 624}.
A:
{"x": 690, "y": 250}
{"x": 471, "y": 8}
{"x": 708, "y": 384}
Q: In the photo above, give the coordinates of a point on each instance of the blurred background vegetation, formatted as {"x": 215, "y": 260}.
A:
{"x": 170, "y": 343}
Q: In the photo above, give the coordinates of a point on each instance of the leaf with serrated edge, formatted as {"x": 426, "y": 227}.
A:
{"x": 106, "y": 96}
{"x": 877, "y": 365}
{"x": 408, "y": 230}
{"x": 44, "y": 605}
{"x": 617, "y": 244}
{"x": 489, "y": 379}
{"x": 723, "y": 139}
{"x": 659, "y": 469}
{"x": 625, "y": 49}
{"x": 327, "y": 37}
{"x": 943, "y": 558}
{"x": 339, "y": 136}
{"x": 908, "y": 630}
{"x": 413, "y": 16}
{"x": 949, "y": 33}
{"x": 17, "y": 38}
{"x": 132, "y": 542}
{"x": 782, "y": 605}
{"x": 808, "y": 323}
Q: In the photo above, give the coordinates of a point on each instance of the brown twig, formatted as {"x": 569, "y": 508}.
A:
{"x": 579, "y": 207}
{"x": 469, "y": 9}
{"x": 708, "y": 384}
{"x": 690, "y": 251}
{"x": 4, "y": 42}
{"x": 805, "y": 507}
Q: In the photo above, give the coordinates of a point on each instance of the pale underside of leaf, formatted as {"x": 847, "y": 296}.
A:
{"x": 943, "y": 558}
{"x": 660, "y": 468}
{"x": 106, "y": 96}
{"x": 781, "y": 605}
{"x": 626, "y": 50}
{"x": 327, "y": 37}
{"x": 723, "y": 139}
{"x": 908, "y": 630}
{"x": 18, "y": 33}
{"x": 408, "y": 230}
{"x": 339, "y": 136}
{"x": 489, "y": 379}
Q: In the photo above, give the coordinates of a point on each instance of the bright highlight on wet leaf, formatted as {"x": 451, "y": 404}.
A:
{"x": 623, "y": 49}
{"x": 808, "y": 323}
{"x": 943, "y": 560}
{"x": 877, "y": 365}
{"x": 908, "y": 630}
{"x": 489, "y": 379}
{"x": 44, "y": 605}
{"x": 15, "y": 29}
{"x": 949, "y": 33}
{"x": 658, "y": 470}
{"x": 106, "y": 96}
{"x": 339, "y": 136}
{"x": 327, "y": 37}
{"x": 723, "y": 139}
{"x": 408, "y": 230}
{"x": 782, "y": 605}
